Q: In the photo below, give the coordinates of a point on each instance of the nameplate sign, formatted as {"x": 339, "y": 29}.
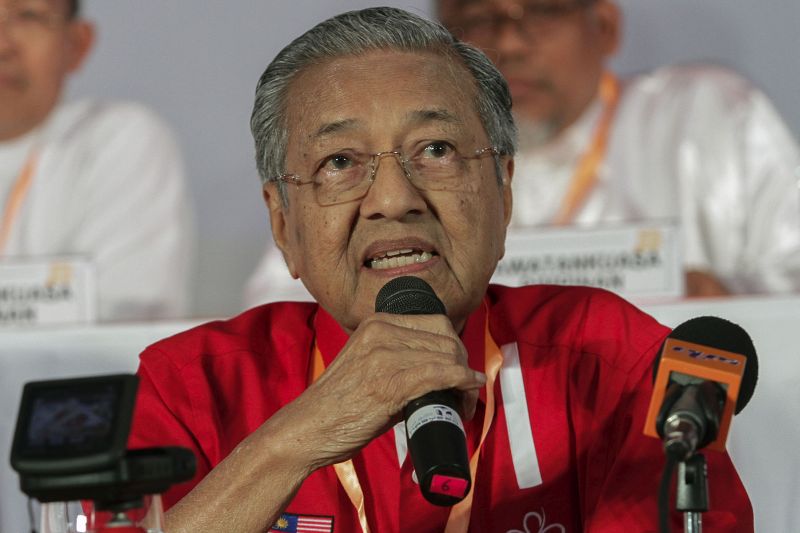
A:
{"x": 47, "y": 291}
{"x": 641, "y": 262}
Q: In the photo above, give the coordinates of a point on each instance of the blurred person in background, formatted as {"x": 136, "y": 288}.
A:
{"x": 100, "y": 180}
{"x": 695, "y": 143}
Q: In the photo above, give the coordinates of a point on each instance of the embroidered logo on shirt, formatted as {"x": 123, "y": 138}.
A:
{"x": 303, "y": 523}
{"x": 537, "y": 523}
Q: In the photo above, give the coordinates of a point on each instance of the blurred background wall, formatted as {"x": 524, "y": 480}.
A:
{"x": 197, "y": 64}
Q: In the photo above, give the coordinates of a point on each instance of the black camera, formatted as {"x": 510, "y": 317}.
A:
{"x": 70, "y": 444}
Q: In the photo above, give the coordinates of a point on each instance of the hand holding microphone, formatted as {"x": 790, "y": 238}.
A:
{"x": 388, "y": 361}
{"x": 436, "y": 438}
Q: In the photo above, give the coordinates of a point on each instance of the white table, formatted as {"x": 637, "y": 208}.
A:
{"x": 764, "y": 439}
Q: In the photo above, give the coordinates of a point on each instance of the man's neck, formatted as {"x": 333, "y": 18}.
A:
{"x": 552, "y": 130}
{"x": 24, "y": 139}
{"x": 11, "y": 134}
{"x": 543, "y": 136}
{"x": 18, "y": 129}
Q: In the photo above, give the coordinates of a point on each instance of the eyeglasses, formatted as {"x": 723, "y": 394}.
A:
{"x": 347, "y": 176}
{"x": 531, "y": 18}
{"x": 30, "y": 19}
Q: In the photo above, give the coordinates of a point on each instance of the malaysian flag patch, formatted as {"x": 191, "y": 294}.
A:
{"x": 303, "y": 523}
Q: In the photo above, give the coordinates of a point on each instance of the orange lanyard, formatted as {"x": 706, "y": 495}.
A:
{"x": 585, "y": 177}
{"x": 15, "y": 199}
{"x": 458, "y": 521}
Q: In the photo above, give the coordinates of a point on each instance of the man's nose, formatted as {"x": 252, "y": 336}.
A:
{"x": 5, "y": 30}
{"x": 510, "y": 38}
{"x": 391, "y": 195}
{"x": 7, "y": 38}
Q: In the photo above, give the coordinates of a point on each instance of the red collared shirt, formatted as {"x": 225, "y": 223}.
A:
{"x": 565, "y": 451}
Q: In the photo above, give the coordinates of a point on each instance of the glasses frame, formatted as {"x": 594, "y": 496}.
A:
{"x": 525, "y": 17}
{"x": 11, "y": 18}
{"x": 374, "y": 162}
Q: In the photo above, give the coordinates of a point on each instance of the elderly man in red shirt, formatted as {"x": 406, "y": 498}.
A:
{"x": 386, "y": 149}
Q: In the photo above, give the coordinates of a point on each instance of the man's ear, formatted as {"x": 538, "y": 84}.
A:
{"x": 81, "y": 40}
{"x": 508, "y": 200}
{"x": 279, "y": 224}
{"x": 608, "y": 18}
{"x": 506, "y": 174}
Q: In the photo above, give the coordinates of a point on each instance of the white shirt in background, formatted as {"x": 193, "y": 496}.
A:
{"x": 108, "y": 185}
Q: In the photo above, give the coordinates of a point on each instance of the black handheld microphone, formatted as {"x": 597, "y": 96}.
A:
{"x": 706, "y": 371}
{"x": 436, "y": 439}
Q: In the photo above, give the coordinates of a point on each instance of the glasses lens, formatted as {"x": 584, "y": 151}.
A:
{"x": 342, "y": 180}
{"x": 29, "y": 19}
{"x": 437, "y": 167}
{"x": 443, "y": 174}
{"x": 483, "y": 25}
{"x": 441, "y": 168}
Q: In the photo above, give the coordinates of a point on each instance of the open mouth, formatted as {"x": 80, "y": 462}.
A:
{"x": 398, "y": 258}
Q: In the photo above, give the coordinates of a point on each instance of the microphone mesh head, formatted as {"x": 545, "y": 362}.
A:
{"x": 408, "y": 295}
{"x": 722, "y": 334}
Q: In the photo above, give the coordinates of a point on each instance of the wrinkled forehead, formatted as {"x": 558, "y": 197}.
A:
{"x": 380, "y": 86}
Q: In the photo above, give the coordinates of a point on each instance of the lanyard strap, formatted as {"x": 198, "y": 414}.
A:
{"x": 585, "y": 177}
{"x": 458, "y": 521}
{"x": 15, "y": 199}
{"x": 345, "y": 471}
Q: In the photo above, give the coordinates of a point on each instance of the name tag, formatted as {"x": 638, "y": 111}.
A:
{"x": 47, "y": 291}
{"x": 639, "y": 262}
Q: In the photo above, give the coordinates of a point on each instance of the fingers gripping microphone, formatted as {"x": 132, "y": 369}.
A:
{"x": 436, "y": 438}
{"x": 706, "y": 372}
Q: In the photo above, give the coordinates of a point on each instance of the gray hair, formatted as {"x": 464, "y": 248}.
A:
{"x": 357, "y": 32}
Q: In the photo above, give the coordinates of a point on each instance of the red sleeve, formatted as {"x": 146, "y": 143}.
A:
{"x": 160, "y": 414}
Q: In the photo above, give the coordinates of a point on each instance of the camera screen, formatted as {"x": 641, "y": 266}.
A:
{"x": 66, "y": 421}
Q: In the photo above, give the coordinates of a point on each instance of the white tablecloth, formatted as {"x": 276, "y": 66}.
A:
{"x": 764, "y": 439}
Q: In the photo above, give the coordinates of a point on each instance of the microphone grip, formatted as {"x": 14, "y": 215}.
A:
{"x": 690, "y": 417}
{"x": 438, "y": 448}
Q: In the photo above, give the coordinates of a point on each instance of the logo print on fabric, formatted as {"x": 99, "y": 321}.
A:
{"x": 537, "y": 523}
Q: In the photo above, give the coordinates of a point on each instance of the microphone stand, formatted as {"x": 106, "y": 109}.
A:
{"x": 692, "y": 492}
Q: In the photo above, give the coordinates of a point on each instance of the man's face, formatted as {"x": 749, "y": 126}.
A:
{"x": 376, "y": 102}
{"x": 39, "y": 46}
{"x": 552, "y": 52}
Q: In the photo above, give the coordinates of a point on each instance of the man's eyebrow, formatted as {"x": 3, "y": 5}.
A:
{"x": 422, "y": 116}
{"x": 331, "y": 128}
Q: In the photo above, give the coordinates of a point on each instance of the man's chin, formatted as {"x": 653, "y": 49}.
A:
{"x": 536, "y": 133}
